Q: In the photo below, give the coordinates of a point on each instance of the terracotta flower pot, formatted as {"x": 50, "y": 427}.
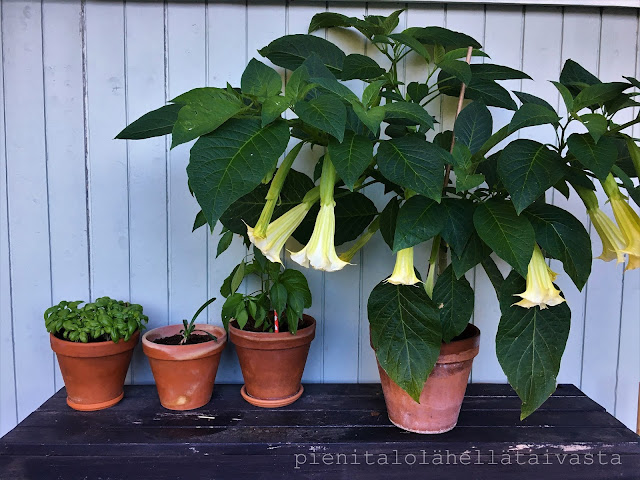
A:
{"x": 184, "y": 374}
{"x": 443, "y": 392}
{"x": 272, "y": 363}
{"x": 94, "y": 372}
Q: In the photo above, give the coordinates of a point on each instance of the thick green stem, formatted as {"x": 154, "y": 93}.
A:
{"x": 361, "y": 241}
{"x": 588, "y": 197}
{"x": 433, "y": 264}
{"x": 327, "y": 181}
{"x": 611, "y": 187}
{"x": 260, "y": 230}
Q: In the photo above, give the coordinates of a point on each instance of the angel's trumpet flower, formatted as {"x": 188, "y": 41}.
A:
{"x": 611, "y": 237}
{"x": 279, "y": 231}
{"x": 320, "y": 252}
{"x": 627, "y": 220}
{"x": 403, "y": 272}
{"x": 540, "y": 290}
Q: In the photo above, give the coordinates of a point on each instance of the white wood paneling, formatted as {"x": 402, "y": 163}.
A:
{"x": 83, "y": 215}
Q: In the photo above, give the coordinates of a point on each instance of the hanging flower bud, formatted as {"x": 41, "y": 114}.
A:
{"x": 361, "y": 241}
{"x": 320, "y": 252}
{"x": 611, "y": 237}
{"x": 627, "y": 220}
{"x": 540, "y": 289}
{"x": 403, "y": 272}
{"x": 279, "y": 231}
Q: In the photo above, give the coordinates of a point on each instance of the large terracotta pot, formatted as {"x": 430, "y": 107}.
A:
{"x": 94, "y": 372}
{"x": 272, "y": 363}
{"x": 184, "y": 374}
{"x": 443, "y": 392}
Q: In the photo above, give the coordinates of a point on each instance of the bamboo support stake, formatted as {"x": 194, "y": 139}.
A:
{"x": 442, "y": 256}
{"x": 447, "y": 170}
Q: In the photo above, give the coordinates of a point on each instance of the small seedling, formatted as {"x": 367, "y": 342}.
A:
{"x": 190, "y": 327}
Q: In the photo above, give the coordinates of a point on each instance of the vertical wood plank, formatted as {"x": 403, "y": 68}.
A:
{"x": 377, "y": 258}
{"x": 226, "y": 21}
{"x": 108, "y": 166}
{"x": 580, "y": 42}
{"x": 64, "y": 101}
{"x": 186, "y": 67}
{"x": 145, "y": 90}
{"x": 503, "y": 42}
{"x": 8, "y": 411}
{"x": 628, "y": 367}
{"x": 604, "y": 299}
{"x": 341, "y": 289}
{"x": 299, "y": 16}
{"x": 27, "y": 201}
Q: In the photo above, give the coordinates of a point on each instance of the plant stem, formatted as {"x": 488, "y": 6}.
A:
{"x": 260, "y": 230}
{"x": 433, "y": 259}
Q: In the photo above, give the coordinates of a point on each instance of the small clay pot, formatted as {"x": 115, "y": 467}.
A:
{"x": 184, "y": 374}
{"x": 94, "y": 372}
{"x": 443, "y": 392}
{"x": 272, "y": 363}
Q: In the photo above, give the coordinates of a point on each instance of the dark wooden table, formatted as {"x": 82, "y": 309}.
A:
{"x": 333, "y": 431}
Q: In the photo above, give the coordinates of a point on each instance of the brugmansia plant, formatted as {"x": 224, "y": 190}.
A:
{"x": 472, "y": 199}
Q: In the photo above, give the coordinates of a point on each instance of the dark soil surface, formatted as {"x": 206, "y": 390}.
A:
{"x": 176, "y": 339}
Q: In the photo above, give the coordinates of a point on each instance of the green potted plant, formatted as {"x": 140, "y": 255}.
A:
{"x": 94, "y": 343}
{"x": 271, "y": 333}
{"x": 184, "y": 361}
{"x": 492, "y": 206}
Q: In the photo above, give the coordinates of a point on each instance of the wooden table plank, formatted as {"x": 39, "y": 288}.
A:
{"x": 238, "y": 440}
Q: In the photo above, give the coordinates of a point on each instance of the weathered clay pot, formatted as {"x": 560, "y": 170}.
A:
{"x": 184, "y": 374}
{"x": 272, "y": 363}
{"x": 94, "y": 372}
{"x": 443, "y": 392}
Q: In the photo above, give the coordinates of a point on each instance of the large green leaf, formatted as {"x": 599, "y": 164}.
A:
{"x": 597, "y": 157}
{"x": 412, "y": 43}
{"x": 419, "y": 220}
{"x": 295, "y": 281}
{"x": 291, "y": 51}
{"x": 388, "y": 220}
{"x": 486, "y": 91}
{"x": 260, "y": 80}
{"x": 528, "y": 169}
{"x": 531, "y": 114}
{"x": 413, "y": 113}
{"x": 232, "y": 161}
{"x": 475, "y": 251}
{"x": 598, "y": 94}
{"x": 205, "y": 110}
{"x": 331, "y": 19}
{"x": 458, "y": 222}
{"x": 272, "y": 108}
{"x": 528, "y": 98}
{"x": 596, "y": 124}
{"x": 442, "y": 36}
{"x": 509, "y": 235}
{"x": 474, "y": 126}
{"x": 454, "y": 297}
{"x": 153, "y": 124}
{"x": 354, "y": 212}
{"x": 351, "y": 157}
{"x": 414, "y": 163}
{"x": 489, "y": 71}
{"x": 360, "y": 67}
{"x": 529, "y": 345}
{"x": 371, "y": 118}
{"x": 326, "y": 113}
{"x": 458, "y": 69}
{"x": 575, "y": 77}
{"x": 405, "y": 333}
{"x": 563, "y": 237}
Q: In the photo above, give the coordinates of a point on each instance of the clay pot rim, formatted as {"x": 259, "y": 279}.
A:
{"x": 107, "y": 348}
{"x": 272, "y": 340}
{"x": 183, "y": 352}
{"x": 463, "y": 349}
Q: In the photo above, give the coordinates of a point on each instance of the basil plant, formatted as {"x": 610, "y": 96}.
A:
{"x": 473, "y": 198}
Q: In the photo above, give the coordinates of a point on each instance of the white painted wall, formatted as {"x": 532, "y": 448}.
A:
{"x": 82, "y": 215}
